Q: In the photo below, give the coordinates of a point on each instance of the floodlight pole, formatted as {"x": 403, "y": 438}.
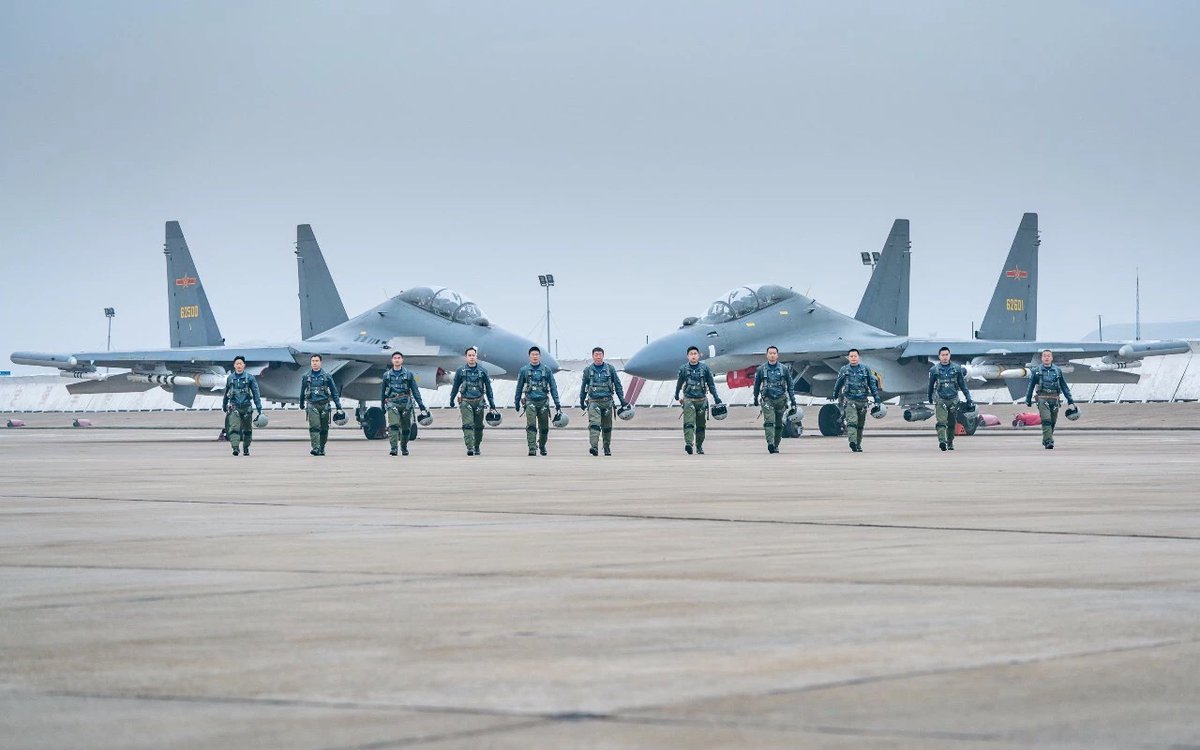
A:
{"x": 547, "y": 281}
{"x": 110, "y": 313}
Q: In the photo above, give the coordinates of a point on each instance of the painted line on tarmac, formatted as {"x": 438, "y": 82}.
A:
{"x": 643, "y": 517}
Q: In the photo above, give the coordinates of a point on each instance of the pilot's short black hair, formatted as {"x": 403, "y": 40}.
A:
{"x": 1048, "y": 350}
{"x": 695, "y": 349}
{"x": 316, "y": 356}
{"x": 853, "y": 351}
{"x": 772, "y": 346}
{"x": 235, "y": 359}
{"x": 400, "y": 353}
{"x": 944, "y": 349}
{"x": 533, "y": 349}
{"x": 470, "y": 349}
{"x": 597, "y": 349}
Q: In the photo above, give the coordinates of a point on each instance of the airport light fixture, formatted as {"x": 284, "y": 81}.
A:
{"x": 547, "y": 281}
{"x": 110, "y": 313}
{"x": 869, "y": 259}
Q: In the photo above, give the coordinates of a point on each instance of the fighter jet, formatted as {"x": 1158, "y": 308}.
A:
{"x": 431, "y": 325}
{"x": 737, "y": 329}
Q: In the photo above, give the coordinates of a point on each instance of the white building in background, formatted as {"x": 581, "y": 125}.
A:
{"x": 1164, "y": 379}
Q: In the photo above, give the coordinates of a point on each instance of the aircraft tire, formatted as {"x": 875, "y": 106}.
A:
{"x": 375, "y": 424}
{"x": 829, "y": 419}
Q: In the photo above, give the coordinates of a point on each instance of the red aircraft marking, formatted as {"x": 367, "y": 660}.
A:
{"x": 1016, "y": 273}
{"x": 187, "y": 281}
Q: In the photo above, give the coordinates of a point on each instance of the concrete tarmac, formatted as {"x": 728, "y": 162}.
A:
{"x": 158, "y": 592}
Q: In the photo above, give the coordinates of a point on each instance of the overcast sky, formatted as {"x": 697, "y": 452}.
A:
{"x": 651, "y": 155}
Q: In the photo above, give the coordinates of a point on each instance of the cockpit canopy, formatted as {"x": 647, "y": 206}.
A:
{"x": 745, "y": 300}
{"x": 446, "y": 303}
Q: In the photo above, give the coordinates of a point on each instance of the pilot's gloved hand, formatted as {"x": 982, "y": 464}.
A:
{"x": 970, "y": 405}
{"x": 1028, "y": 402}
{"x": 878, "y": 401}
{"x": 1070, "y": 403}
{"x": 754, "y": 402}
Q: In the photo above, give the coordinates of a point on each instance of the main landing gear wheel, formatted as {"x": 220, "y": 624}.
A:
{"x": 831, "y": 421}
{"x": 374, "y": 424}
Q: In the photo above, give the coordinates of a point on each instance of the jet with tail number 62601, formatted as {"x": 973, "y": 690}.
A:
{"x": 737, "y": 329}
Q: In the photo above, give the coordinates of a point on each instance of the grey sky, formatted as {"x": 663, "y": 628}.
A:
{"x": 650, "y": 155}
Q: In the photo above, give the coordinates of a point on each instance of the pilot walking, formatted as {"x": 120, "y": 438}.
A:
{"x": 536, "y": 388}
{"x": 600, "y": 384}
{"x": 398, "y": 393}
{"x": 947, "y": 379}
{"x": 473, "y": 382}
{"x": 773, "y": 388}
{"x": 696, "y": 381}
{"x": 241, "y": 392}
{"x": 858, "y": 382}
{"x": 1051, "y": 386}
{"x": 317, "y": 390}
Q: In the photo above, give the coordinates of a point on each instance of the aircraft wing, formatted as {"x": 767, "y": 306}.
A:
{"x": 1021, "y": 352}
{"x": 198, "y": 356}
{"x": 202, "y": 356}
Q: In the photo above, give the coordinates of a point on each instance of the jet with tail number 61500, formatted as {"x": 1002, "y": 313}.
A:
{"x": 431, "y": 325}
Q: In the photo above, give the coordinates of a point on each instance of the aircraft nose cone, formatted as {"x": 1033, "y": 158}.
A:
{"x": 550, "y": 362}
{"x": 659, "y": 360}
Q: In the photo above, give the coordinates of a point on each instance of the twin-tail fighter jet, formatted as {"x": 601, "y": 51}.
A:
{"x": 430, "y": 325}
{"x": 737, "y": 329}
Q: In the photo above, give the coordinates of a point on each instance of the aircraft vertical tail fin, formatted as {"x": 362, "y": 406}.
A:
{"x": 190, "y": 317}
{"x": 1012, "y": 313}
{"x": 321, "y": 306}
{"x": 885, "y": 302}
